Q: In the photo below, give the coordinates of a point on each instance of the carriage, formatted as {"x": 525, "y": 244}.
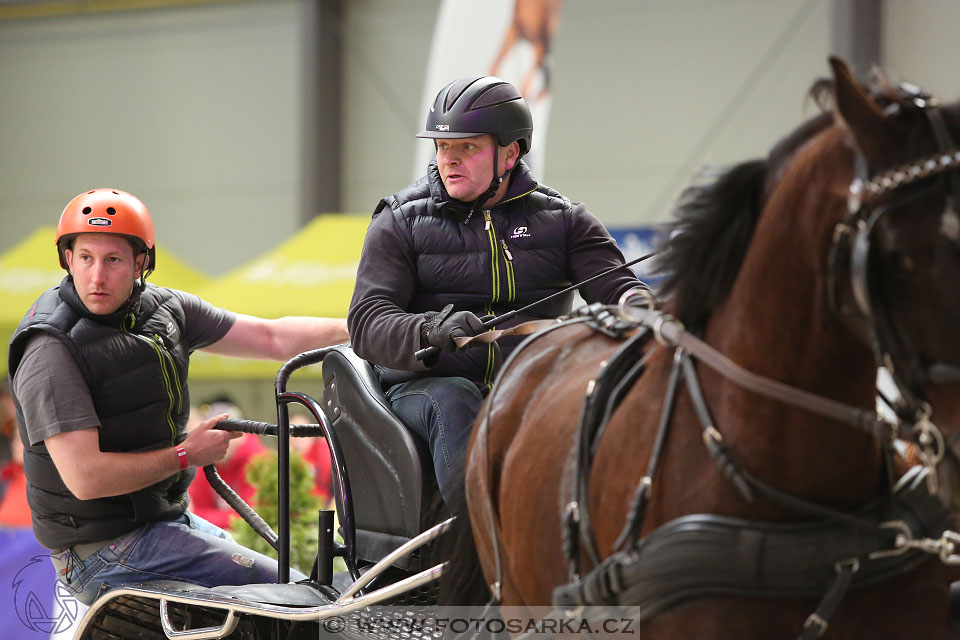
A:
{"x": 712, "y": 469}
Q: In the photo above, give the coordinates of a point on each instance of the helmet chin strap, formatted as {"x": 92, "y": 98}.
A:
{"x": 132, "y": 306}
{"x": 494, "y": 184}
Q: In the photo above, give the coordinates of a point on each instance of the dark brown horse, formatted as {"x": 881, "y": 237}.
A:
{"x": 801, "y": 272}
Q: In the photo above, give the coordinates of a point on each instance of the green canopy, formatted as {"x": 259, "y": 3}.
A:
{"x": 26, "y": 271}
{"x": 31, "y": 267}
{"x": 311, "y": 274}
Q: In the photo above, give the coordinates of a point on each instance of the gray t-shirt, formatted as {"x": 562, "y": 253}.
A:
{"x": 51, "y": 389}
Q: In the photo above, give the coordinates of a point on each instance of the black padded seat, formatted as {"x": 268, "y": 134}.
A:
{"x": 391, "y": 476}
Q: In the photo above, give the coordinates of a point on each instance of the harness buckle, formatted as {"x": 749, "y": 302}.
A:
{"x": 945, "y": 547}
{"x": 853, "y": 564}
{"x": 817, "y": 623}
{"x": 662, "y": 319}
{"x": 900, "y": 542}
{"x": 842, "y": 231}
{"x": 949, "y": 540}
{"x": 635, "y": 297}
{"x": 931, "y": 447}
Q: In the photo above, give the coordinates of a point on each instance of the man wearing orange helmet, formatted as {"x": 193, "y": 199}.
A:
{"x": 99, "y": 369}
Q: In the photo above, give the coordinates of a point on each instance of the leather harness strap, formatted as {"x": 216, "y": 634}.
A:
{"x": 671, "y": 331}
{"x": 707, "y": 554}
{"x": 825, "y": 538}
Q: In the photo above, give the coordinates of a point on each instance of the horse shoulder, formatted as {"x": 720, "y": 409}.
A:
{"x": 550, "y": 372}
{"x": 521, "y": 446}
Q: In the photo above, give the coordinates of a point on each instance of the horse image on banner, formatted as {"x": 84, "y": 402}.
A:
{"x": 516, "y": 47}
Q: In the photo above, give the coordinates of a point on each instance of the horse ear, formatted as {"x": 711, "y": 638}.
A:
{"x": 860, "y": 115}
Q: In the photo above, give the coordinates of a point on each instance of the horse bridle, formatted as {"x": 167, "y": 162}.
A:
{"x": 852, "y": 247}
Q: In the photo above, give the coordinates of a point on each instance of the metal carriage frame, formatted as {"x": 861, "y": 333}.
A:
{"x": 389, "y": 511}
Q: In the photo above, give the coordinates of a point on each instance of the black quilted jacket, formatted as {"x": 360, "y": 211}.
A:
{"x": 424, "y": 250}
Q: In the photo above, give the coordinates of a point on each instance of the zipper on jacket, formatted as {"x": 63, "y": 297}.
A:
{"x": 511, "y": 282}
{"x": 173, "y": 369}
{"x": 494, "y": 255}
{"x": 495, "y": 246}
{"x": 495, "y": 268}
{"x": 171, "y": 380}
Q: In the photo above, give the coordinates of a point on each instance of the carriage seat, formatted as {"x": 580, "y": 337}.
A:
{"x": 392, "y": 483}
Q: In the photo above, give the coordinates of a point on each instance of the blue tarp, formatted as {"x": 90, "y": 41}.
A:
{"x": 635, "y": 242}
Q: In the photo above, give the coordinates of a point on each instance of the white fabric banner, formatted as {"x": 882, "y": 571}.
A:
{"x": 506, "y": 38}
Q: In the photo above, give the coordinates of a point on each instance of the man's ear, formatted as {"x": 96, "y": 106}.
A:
{"x": 68, "y": 258}
{"x": 140, "y": 261}
{"x": 512, "y": 155}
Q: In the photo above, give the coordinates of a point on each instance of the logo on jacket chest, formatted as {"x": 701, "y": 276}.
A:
{"x": 167, "y": 332}
{"x": 519, "y": 232}
{"x": 172, "y": 332}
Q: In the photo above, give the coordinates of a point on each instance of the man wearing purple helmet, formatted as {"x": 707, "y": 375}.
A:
{"x": 477, "y": 236}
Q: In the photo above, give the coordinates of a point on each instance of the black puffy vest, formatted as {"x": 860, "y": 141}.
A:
{"x": 495, "y": 263}
{"x": 494, "y": 266}
{"x": 137, "y": 380}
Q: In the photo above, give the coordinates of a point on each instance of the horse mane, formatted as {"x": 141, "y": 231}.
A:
{"x": 715, "y": 217}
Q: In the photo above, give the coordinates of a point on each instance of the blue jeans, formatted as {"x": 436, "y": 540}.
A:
{"x": 440, "y": 411}
{"x": 188, "y": 549}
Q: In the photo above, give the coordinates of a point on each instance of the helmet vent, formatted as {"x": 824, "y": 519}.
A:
{"x": 456, "y": 90}
{"x": 86, "y": 211}
{"x": 111, "y": 211}
{"x": 497, "y": 94}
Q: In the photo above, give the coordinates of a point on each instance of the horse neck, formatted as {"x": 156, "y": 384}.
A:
{"x": 777, "y": 322}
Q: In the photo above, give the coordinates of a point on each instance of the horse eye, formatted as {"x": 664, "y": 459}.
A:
{"x": 905, "y": 263}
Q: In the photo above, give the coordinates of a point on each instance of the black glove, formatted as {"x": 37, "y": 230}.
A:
{"x": 441, "y": 327}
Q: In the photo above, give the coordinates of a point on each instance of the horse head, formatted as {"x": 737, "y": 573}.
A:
{"x": 898, "y": 248}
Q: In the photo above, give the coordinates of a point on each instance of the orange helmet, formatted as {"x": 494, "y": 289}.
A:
{"x": 107, "y": 211}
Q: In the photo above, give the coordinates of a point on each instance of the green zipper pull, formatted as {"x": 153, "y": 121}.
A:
{"x": 506, "y": 251}
{"x": 486, "y": 218}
